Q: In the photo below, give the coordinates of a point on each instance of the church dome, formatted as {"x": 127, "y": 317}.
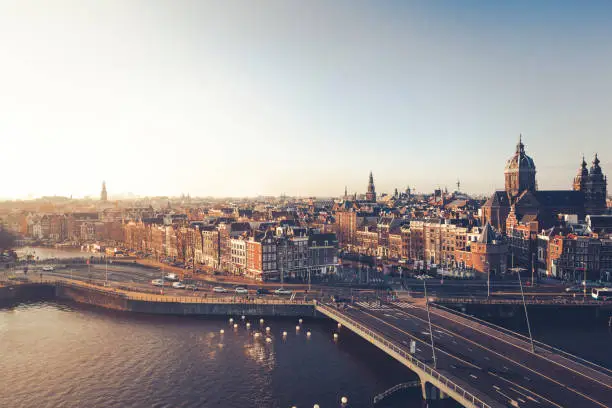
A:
{"x": 520, "y": 160}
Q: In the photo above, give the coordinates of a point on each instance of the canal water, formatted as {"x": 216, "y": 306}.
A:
{"x": 68, "y": 355}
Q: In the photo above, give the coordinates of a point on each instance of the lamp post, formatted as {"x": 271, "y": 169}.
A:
{"x": 526, "y": 314}
{"x": 488, "y": 279}
{"x": 433, "y": 349}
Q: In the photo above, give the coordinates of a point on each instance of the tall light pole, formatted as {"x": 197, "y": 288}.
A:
{"x": 488, "y": 279}
{"x": 526, "y": 314}
{"x": 106, "y": 259}
{"x": 433, "y": 349}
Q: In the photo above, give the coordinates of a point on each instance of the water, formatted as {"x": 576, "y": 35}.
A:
{"x": 42, "y": 253}
{"x": 73, "y": 356}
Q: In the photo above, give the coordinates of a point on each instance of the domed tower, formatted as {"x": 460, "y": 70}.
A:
{"x": 595, "y": 189}
{"x": 582, "y": 176}
{"x": 520, "y": 172}
{"x": 371, "y": 194}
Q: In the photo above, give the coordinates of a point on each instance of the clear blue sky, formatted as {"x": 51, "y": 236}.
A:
{"x": 263, "y": 97}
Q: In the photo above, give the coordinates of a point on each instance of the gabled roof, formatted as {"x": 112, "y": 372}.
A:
{"x": 488, "y": 235}
{"x": 499, "y": 198}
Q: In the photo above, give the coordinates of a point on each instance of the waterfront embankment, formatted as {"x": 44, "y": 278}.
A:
{"x": 122, "y": 300}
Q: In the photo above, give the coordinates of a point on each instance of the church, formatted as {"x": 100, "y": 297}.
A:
{"x": 522, "y": 202}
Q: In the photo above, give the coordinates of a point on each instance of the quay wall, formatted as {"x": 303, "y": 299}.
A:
{"x": 221, "y": 309}
{"x": 27, "y": 292}
{"x": 117, "y": 301}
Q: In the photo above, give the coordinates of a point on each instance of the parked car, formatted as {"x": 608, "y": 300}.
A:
{"x": 282, "y": 291}
{"x": 262, "y": 291}
{"x": 157, "y": 282}
{"x": 219, "y": 289}
{"x": 574, "y": 289}
{"x": 178, "y": 285}
{"x": 48, "y": 268}
{"x": 191, "y": 286}
{"x": 241, "y": 291}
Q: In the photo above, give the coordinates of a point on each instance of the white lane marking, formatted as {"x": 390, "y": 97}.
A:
{"x": 525, "y": 395}
{"x": 496, "y": 387}
{"x": 487, "y": 358}
{"x": 473, "y": 376}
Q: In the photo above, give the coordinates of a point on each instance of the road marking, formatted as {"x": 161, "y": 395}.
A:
{"x": 444, "y": 314}
{"x": 469, "y": 349}
{"x": 524, "y": 395}
{"x": 522, "y": 365}
{"x": 487, "y": 358}
{"x": 525, "y": 389}
{"x": 417, "y": 339}
{"x": 473, "y": 376}
{"x": 496, "y": 387}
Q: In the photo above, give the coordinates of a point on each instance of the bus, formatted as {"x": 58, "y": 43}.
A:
{"x": 602, "y": 293}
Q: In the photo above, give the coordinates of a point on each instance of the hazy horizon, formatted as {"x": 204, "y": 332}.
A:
{"x": 240, "y": 99}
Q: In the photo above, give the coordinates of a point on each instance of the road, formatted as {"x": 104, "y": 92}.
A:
{"x": 498, "y": 365}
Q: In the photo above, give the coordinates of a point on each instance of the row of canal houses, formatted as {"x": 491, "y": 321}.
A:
{"x": 261, "y": 250}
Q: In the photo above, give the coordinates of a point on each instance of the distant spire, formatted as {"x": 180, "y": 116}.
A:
{"x": 520, "y": 147}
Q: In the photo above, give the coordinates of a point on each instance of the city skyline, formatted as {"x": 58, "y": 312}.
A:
{"x": 233, "y": 100}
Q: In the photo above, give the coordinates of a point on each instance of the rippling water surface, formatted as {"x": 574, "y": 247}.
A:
{"x": 60, "y": 355}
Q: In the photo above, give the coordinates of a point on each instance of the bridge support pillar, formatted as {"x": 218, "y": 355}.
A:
{"x": 431, "y": 392}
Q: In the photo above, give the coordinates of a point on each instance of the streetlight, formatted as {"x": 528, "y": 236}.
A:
{"x": 433, "y": 349}
{"x": 526, "y": 315}
{"x": 488, "y": 279}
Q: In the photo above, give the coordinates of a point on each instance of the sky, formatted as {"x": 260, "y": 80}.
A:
{"x": 245, "y": 98}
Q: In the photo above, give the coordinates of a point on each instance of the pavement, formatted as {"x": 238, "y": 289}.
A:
{"x": 497, "y": 364}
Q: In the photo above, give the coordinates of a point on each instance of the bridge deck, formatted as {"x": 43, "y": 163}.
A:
{"x": 493, "y": 363}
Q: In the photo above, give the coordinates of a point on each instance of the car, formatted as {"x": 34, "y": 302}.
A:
{"x": 262, "y": 291}
{"x": 282, "y": 291}
{"x": 219, "y": 289}
{"x": 48, "y": 268}
{"x": 178, "y": 285}
{"x": 573, "y": 289}
{"x": 241, "y": 291}
{"x": 171, "y": 277}
{"x": 191, "y": 286}
{"x": 157, "y": 282}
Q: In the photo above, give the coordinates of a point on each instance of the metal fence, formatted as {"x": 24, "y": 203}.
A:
{"x": 552, "y": 302}
{"x": 443, "y": 380}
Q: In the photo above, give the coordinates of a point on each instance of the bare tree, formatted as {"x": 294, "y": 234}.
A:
{"x": 7, "y": 239}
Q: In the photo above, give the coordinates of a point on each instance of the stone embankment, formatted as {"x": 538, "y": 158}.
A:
{"x": 123, "y": 300}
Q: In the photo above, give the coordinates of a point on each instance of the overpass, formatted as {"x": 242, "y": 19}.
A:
{"x": 477, "y": 364}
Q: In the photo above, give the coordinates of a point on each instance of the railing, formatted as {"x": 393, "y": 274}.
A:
{"x": 539, "y": 344}
{"x": 443, "y": 380}
{"x": 394, "y": 389}
{"x": 555, "y": 302}
{"x": 175, "y": 299}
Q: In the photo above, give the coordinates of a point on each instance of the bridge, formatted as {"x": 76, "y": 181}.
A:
{"x": 476, "y": 363}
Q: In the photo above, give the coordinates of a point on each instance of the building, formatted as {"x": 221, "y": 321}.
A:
{"x": 371, "y": 192}
{"x": 520, "y": 172}
{"x": 522, "y": 197}
{"x": 489, "y": 253}
{"x": 103, "y": 194}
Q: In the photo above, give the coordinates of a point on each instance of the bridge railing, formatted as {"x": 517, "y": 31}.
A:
{"x": 539, "y": 344}
{"x": 552, "y": 302}
{"x": 442, "y": 379}
{"x": 394, "y": 389}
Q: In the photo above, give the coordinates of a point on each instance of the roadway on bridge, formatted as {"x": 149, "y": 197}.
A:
{"x": 506, "y": 371}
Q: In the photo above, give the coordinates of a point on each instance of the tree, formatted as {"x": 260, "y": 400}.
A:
{"x": 7, "y": 239}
